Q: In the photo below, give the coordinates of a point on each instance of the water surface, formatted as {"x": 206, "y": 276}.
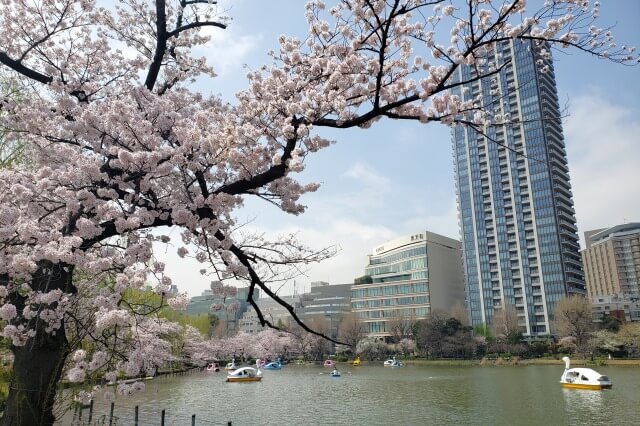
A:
{"x": 377, "y": 395}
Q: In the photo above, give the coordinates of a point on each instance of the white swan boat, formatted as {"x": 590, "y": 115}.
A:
{"x": 393, "y": 363}
{"x": 583, "y": 378}
{"x": 245, "y": 374}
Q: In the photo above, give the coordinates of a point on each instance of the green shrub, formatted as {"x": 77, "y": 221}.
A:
{"x": 5, "y": 378}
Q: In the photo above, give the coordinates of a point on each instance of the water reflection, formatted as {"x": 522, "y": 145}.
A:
{"x": 584, "y": 404}
{"x": 372, "y": 395}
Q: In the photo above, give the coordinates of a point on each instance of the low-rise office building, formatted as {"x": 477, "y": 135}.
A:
{"x": 271, "y": 310}
{"x": 626, "y": 309}
{"x": 326, "y": 304}
{"x": 406, "y": 279}
{"x": 231, "y": 308}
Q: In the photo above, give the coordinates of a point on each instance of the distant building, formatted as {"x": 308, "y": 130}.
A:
{"x": 406, "y": 279}
{"x": 626, "y": 309}
{"x": 272, "y": 312}
{"x": 612, "y": 261}
{"x": 517, "y": 218}
{"x": 202, "y": 304}
{"x": 324, "y": 303}
{"x": 328, "y": 303}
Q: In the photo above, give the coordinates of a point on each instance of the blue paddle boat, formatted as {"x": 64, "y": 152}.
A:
{"x": 275, "y": 365}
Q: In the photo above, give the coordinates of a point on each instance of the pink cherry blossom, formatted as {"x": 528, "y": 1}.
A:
{"x": 119, "y": 145}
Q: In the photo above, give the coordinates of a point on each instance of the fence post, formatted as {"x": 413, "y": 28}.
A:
{"x": 193, "y": 420}
{"x": 162, "y": 418}
{"x": 136, "y": 417}
{"x": 111, "y": 414}
{"x": 90, "y": 410}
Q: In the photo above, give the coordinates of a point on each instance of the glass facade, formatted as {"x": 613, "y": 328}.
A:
{"x": 518, "y": 226}
{"x": 399, "y": 288}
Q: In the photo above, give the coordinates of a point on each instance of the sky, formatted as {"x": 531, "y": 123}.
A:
{"x": 397, "y": 178}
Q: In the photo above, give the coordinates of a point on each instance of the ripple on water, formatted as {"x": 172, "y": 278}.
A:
{"x": 375, "y": 395}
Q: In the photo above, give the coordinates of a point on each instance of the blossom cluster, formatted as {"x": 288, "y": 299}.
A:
{"x": 118, "y": 144}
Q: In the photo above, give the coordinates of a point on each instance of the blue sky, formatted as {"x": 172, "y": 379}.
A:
{"x": 397, "y": 177}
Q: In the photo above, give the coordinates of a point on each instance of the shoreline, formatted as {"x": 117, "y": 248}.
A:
{"x": 524, "y": 362}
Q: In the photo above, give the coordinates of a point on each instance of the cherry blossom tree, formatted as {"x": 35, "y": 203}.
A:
{"x": 371, "y": 349}
{"x": 272, "y": 344}
{"x": 120, "y": 145}
{"x": 406, "y": 346}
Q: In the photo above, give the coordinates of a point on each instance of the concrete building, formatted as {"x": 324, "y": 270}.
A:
{"x": 517, "y": 219}
{"x": 407, "y": 278}
{"x": 271, "y": 310}
{"x": 626, "y": 309}
{"x": 203, "y": 303}
{"x": 200, "y": 304}
{"x": 612, "y": 261}
{"x": 326, "y": 304}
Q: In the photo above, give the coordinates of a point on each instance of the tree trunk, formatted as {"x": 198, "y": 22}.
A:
{"x": 38, "y": 365}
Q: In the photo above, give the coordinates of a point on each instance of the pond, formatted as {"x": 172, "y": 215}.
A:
{"x": 377, "y": 395}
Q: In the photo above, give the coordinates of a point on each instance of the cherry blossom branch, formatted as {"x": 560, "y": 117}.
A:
{"x": 18, "y": 67}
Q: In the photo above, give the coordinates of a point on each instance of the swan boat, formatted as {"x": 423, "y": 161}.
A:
{"x": 213, "y": 366}
{"x": 393, "y": 363}
{"x": 329, "y": 363}
{"x": 231, "y": 365}
{"x": 275, "y": 365}
{"x": 583, "y": 378}
{"x": 335, "y": 373}
{"x": 245, "y": 374}
{"x": 356, "y": 362}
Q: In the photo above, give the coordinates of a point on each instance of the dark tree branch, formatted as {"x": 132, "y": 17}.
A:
{"x": 273, "y": 173}
{"x": 26, "y": 71}
{"x": 195, "y": 25}
{"x": 161, "y": 45}
{"x": 255, "y": 280}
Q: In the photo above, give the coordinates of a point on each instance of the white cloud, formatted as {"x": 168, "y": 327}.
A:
{"x": 358, "y": 191}
{"x": 603, "y": 149}
{"x": 367, "y": 176}
{"x": 444, "y": 223}
{"x": 354, "y": 241}
{"x": 228, "y": 52}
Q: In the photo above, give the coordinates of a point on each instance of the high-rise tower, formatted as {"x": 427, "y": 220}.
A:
{"x": 518, "y": 226}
